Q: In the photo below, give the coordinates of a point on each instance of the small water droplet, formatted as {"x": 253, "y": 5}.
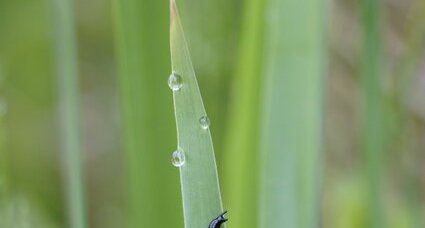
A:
{"x": 205, "y": 122}
{"x": 178, "y": 158}
{"x": 175, "y": 81}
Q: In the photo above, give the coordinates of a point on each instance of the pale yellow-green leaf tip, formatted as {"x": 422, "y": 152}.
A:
{"x": 173, "y": 13}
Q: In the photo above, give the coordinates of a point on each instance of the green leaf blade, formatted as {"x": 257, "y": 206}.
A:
{"x": 373, "y": 130}
{"x": 291, "y": 134}
{"x": 200, "y": 187}
{"x": 241, "y": 151}
{"x": 68, "y": 93}
{"x": 146, "y": 115}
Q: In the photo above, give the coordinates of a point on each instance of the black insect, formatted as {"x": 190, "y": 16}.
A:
{"x": 216, "y": 223}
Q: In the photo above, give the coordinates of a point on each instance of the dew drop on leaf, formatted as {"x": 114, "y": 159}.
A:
{"x": 175, "y": 82}
{"x": 204, "y": 122}
{"x": 178, "y": 158}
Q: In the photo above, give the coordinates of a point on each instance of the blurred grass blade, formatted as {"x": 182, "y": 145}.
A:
{"x": 67, "y": 73}
{"x": 372, "y": 114}
{"x": 241, "y": 155}
{"x": 142, "y": 28}
{"x": 291, "y": 135}
{"x": 200, "y": 188}
{"x": 3, "y": 153}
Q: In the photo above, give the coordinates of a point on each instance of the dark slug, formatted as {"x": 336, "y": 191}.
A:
{"x": 216, "y": 223}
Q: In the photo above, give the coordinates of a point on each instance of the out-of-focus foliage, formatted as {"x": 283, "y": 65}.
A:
{"x": 148, "y": 135}
{"x": 32, "y": 190}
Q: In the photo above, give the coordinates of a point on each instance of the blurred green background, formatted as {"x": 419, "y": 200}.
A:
{"x": 31, "y": 173}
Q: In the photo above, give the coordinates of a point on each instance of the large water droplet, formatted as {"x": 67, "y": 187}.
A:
{"x": 175, "y": 81}
{"x": 178, "y": 159}
{"x": 204, "y": 122}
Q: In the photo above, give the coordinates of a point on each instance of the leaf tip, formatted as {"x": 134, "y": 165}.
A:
{"x": 173, "y": 10}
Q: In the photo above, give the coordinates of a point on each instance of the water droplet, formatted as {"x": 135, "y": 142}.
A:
{"x": 205, "y": 122}
{"x": 175, "y": 81}
{"x": 178, "y": 158}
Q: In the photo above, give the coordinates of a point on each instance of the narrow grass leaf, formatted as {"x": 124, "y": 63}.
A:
{"x": 291, "y": 134}
{"x": 372, "y": 110}
{"x": 67, "y": 74}
{"x": 241, "y": 154}
{"x": 3, "y": 154}
{"x": 198, "y": 172}
{"x": 146, "y": 115}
